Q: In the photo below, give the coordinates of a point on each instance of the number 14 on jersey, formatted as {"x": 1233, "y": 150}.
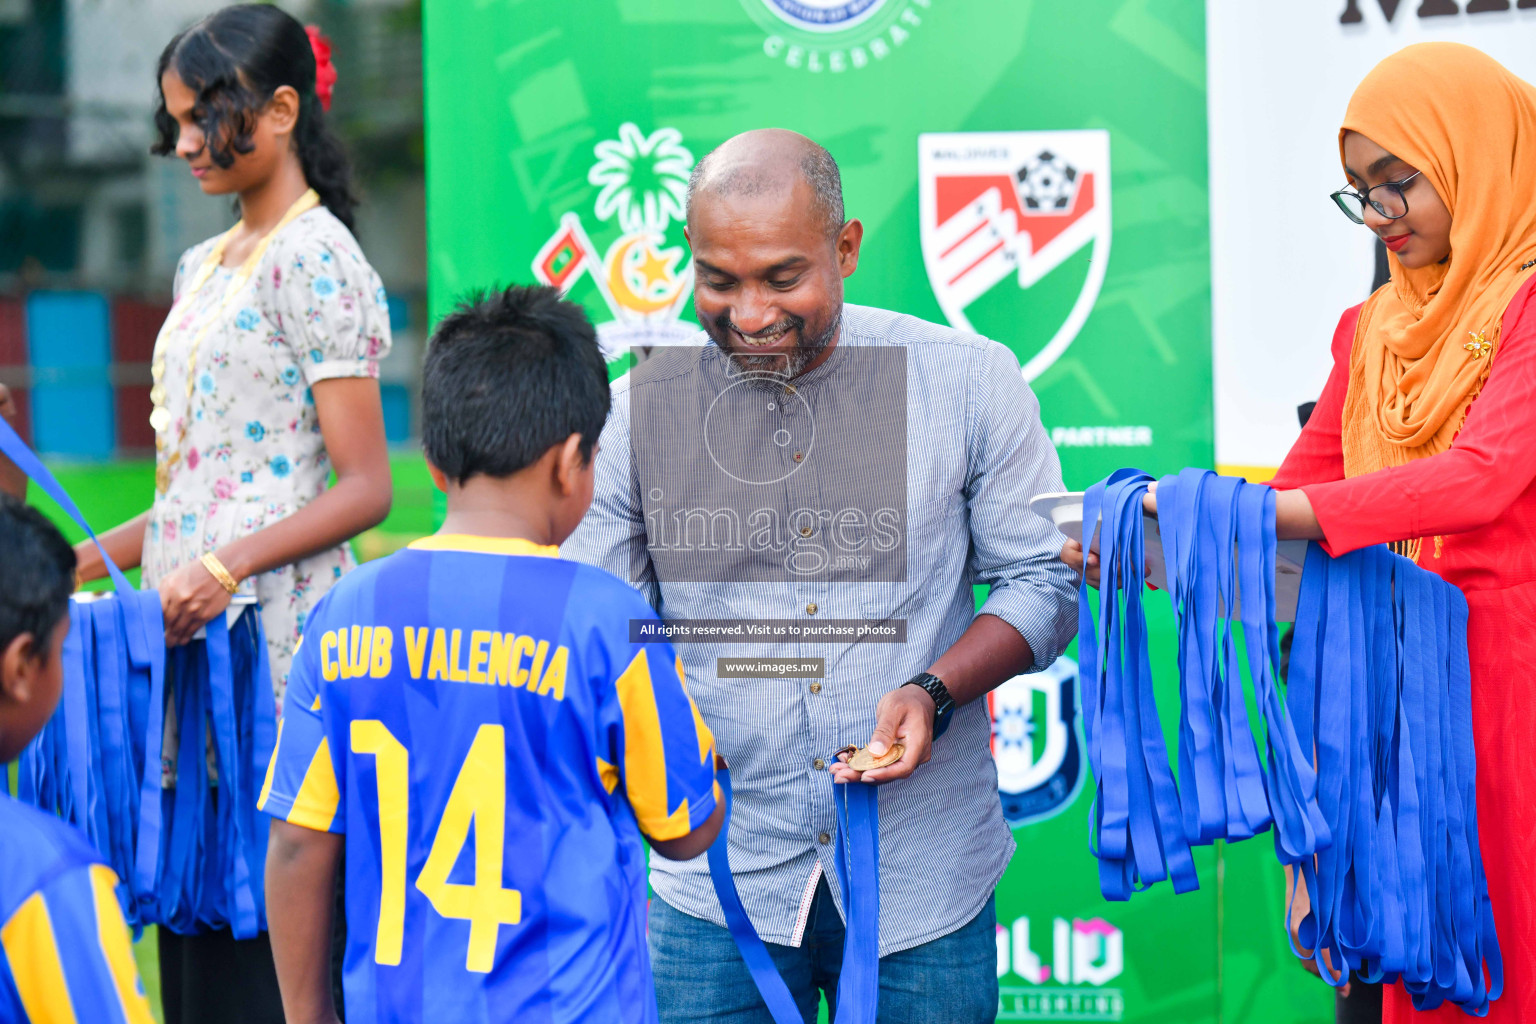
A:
{"x": 479, "y": 795}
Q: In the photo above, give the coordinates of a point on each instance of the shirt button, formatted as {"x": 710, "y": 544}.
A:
{"x": 818, "y": 764}
{"x": 799, "y": 456}
{"x": 805, "y": 531}
{"x": 810, "y": 609}
{"x": 815, "y": 687}
{"x": 789, "y": 389}
{"x": 824, "y": 839}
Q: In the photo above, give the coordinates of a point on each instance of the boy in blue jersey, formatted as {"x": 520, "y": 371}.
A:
{"x": 65, "y": 955}
{"x": 471, "y": 721}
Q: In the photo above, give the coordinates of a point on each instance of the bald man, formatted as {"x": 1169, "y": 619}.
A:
{"x": 808, "y": 496}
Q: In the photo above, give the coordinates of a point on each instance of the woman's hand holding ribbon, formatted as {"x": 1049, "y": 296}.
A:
{"x": 905, "y": 716}
{"x": 190, "y": 597}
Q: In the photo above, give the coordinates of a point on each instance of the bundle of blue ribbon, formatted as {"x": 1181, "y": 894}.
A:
{"x": 97, "y": 762}
{"x": 190, "y": 858}
{"x": 1368, "y": 777}
{"x": 858, "y": 880}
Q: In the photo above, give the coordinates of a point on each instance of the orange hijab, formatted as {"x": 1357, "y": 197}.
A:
{"x": 1418, "y": 361}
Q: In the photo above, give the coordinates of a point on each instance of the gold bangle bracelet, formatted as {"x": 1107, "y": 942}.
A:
{"x": 216, "y": 567}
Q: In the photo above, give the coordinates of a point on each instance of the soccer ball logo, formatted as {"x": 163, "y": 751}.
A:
{"x": 1015, "y": 206}
{"x": 1047, "y": 184}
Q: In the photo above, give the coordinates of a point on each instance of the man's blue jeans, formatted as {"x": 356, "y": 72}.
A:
{"x": 701, "y": 977}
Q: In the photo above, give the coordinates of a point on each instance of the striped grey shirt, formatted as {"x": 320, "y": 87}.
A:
{"x": 974, "y": 454}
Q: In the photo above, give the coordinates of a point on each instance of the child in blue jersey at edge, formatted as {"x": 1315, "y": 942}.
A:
{"x": 65, "y": 955}
{"x": 470, "y": 718}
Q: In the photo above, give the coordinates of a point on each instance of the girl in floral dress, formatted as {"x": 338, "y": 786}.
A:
{"x": 265, "y": 382}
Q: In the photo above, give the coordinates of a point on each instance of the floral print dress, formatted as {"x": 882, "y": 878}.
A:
{"x": 252, "y": 454}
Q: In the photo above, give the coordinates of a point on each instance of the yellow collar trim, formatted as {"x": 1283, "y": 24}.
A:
{"x": 484, "y": 545}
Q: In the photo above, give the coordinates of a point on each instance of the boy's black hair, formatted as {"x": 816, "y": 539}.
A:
{"x": 37, "y": 573}
{"x": 509, "y": 374}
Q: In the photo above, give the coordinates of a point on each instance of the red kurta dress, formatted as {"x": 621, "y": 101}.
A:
{"x": 1474, "y": 506}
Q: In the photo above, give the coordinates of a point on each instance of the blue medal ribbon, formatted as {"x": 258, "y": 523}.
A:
{"x": 234, "y": 697}
{"x": 81, "y": 764}
{"x": 144, "y": 626}
{"x": 1201, "y": 792}
{"x": 858, "y": 874}
{"x": 1247, "y": 806}
{"x": 1290, "y": 781}
{"x": 235, "y": 879}
{"x": 180, "y": 882}
{"x": 1139, "y": 831}
{"x": 254, "y": 743}
{"x": 77, "y": 737}
{"x": 185, "y": 860}
{"x": 1369, "y": 773}
{"x": 117, "y": 768}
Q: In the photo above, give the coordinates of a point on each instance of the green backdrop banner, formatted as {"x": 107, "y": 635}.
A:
{"x": 1034, "y": 172}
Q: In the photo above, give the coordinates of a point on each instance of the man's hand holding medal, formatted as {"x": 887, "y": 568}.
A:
{"x": 902, "y": 740}
{"x": 907, "y": 721}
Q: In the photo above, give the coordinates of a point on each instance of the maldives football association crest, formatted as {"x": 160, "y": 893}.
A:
{"x": 1037, "y": 743}
{"x": 1003, "y": 216}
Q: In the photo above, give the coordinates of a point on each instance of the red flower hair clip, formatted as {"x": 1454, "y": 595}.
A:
{"x": 325, "y": 71}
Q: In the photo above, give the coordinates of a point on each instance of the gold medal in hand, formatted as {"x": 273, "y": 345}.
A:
{"x": 861, "y": 759}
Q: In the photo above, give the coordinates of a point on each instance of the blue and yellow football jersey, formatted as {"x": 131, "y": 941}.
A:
{"x": 65, "y": 955}
{"x": 471, "y": 713}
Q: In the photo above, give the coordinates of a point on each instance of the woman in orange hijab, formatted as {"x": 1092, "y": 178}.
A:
{"x": 1425, "y": 436}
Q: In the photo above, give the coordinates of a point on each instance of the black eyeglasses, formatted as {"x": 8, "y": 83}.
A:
{"x": 1391, "y": 204}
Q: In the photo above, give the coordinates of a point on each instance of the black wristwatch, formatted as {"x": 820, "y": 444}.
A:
{"x": 943, "y": 703}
